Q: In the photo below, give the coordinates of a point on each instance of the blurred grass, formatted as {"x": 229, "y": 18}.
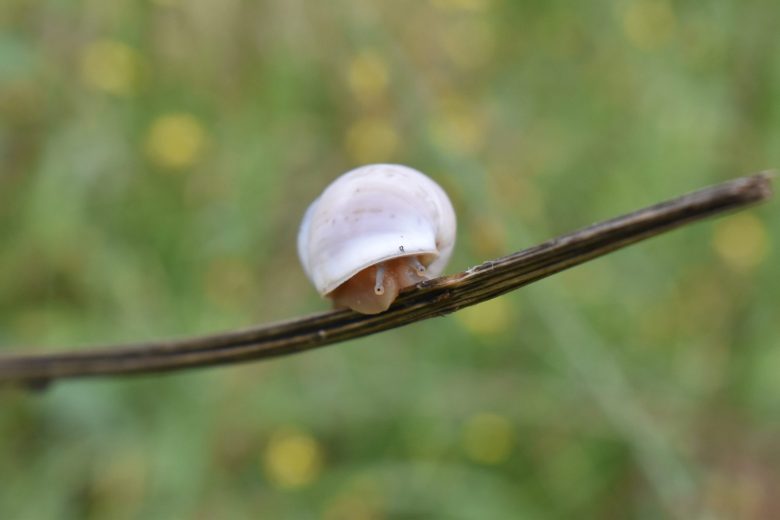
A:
{"x": 157, "y": 157}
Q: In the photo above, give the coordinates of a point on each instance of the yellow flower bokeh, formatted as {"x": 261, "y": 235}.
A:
{"x": 488, "y": 438}
{"x": 367, "y": 77}
{"x": 741, "y": 241}
{"x": 462, "y": 5}
{"x": 292, "y": 458}
{"x": 175, "y": 141}
{"x": 457, "y": 126}
{"x": 371, "y": 140}
{"x": 110, "y": 66}
{"x": 487, "y": 318}
{"x": 361, "y": 499}
{"x": 649, "y": 24}
{"x": 467, "y": 43}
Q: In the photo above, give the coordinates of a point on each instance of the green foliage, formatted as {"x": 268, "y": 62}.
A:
{"x": 157, "y": 156}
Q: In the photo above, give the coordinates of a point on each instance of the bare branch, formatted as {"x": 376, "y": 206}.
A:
{"x": 436, "y": 297}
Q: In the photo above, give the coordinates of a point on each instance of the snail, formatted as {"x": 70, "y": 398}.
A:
{"x": 376, "y": 230}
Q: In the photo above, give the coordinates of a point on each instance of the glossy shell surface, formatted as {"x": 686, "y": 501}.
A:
{"x": 372, "y": 214}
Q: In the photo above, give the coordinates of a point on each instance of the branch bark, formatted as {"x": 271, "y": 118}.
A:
{"x": 436, "y": 297}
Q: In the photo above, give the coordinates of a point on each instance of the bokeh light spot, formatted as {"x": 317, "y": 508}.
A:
{"x": 293, "y": 458}
{"x": 167, "y": 3}
{"x": 110, "y": 66}
{"x": 361, "y": 500}
{"x": 741, "y": 241}
{"x": 367, "y": 77}
{"x": 468, "y": 43}
{"x": 456, "y": 126}
{"x": 488, "y": 236}
{"x": 175, "y": 141}
{"x": 462, "y": 5}
{"x": 371, "y": 140}
{"x": 488, "y": 318}
{"x": 764, "y": 383}
{"x": 120, "y": 481}
{"x": 488, "y": 438}
{"x": 649, "y": 24}
{"x": 230, "y": 283}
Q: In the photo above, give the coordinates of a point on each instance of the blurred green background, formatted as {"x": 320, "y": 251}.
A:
{"x": 156, "y": 158}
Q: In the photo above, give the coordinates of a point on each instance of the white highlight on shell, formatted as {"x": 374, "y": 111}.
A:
{"x": 373, "y": 215}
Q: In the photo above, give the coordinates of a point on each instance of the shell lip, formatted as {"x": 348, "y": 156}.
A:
{"x": 338, "y": 283}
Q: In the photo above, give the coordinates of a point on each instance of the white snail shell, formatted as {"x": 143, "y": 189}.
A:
{"x": 372, "y": 232}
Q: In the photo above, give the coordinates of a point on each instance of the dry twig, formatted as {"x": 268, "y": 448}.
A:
{"x": 435, "y": 297}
